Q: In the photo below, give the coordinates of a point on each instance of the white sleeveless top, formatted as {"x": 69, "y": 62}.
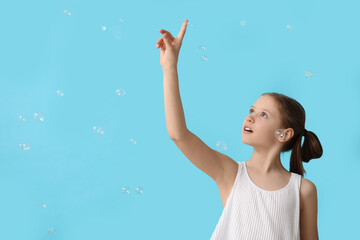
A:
{"x": 252, "y": 213}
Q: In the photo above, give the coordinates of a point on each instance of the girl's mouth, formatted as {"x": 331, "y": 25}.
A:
{"x": 247, "y": 131}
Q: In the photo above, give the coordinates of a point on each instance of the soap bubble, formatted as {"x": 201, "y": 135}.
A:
{"x": 308, "y": 73}
{"x": 280, "y": 134}
{"x": 98, "y": 130}
{"x": 24, "y": 146}
{"x": 38, "y": 117}
{"x": 221, "y": 146}
{"x": 204, "y": 58}
{"x": 202, "y": 47}
{"x": 43, "y": 205}
{"x": 139, "y": 190}
{"x": 51, "y": 231}
{"x": 67, "y": 12}
{"x": 125, "y": 190}
{"x": 60, "y": 93}
{"x": 120, "y": 92}
{"x": 21, "y": 118}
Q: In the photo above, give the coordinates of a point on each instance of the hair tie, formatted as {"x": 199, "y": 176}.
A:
{"x": 305, "y": 131}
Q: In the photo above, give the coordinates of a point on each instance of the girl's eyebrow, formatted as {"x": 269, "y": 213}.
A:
{"x": 263, "y": 109}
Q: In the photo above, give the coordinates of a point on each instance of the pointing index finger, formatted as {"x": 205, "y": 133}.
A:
{"x": 183, "y": 29}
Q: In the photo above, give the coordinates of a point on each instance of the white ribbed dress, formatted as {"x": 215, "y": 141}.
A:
{"x": 252, "y": 213}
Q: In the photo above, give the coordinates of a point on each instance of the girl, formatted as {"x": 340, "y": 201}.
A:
{"x": 261, "y": 199}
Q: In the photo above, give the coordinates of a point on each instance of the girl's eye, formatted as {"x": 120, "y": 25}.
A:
{"x": 262, "y": 112}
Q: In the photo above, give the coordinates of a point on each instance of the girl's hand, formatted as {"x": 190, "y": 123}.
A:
{"x": 170, "y": 46}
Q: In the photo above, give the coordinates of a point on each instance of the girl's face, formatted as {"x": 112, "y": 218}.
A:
{"x": 263, "y": 119}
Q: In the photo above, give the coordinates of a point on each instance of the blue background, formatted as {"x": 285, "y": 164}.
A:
{"x": 79, "y": 174}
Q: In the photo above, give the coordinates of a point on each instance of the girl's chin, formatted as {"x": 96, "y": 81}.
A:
{"x": 246, "y": 142}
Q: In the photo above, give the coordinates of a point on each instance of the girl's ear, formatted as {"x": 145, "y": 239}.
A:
{"x": 289, "y": 133}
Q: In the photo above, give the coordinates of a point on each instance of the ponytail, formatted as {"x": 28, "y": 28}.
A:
{"x": 293, "y": 116}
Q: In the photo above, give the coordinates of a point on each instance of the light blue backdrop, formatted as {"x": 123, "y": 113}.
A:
{"x": 72, "y": 183}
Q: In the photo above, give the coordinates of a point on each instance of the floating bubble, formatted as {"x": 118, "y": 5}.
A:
{"x": 242, "y": 23}
{"x": 120, "y": 92}
{"x": 103, "y": 28}
{"x": 24, "y": 146}
{"x": 132, "y": 141}
{"x": 98, "y": 130}
{"x": 202, "y": 47}
{"x": 288, "y": 26}
{"x": 43, "y": 205}
{"x": 67, "y": 12}
{"x": 139, "y": 190}
{"x": 204, "y": 58}
{"x": 221, "y": 146}
{"x": 125, "y": 190}
{"x": 60, "y": 93}
{"x": 51, "y": 231}
{"x": 38, "y": 117}
{"x": 280, "y": 134}
{"x": 309, "y": 73}
{"x": 21, "y": 118}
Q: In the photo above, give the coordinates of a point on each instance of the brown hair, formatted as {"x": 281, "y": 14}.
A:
{"x": 293, "y": 116}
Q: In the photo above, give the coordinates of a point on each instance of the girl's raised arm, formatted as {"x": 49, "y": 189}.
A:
{"x": 221, "y": 168}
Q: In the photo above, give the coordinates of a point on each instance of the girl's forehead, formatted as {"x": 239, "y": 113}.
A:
{"x": 266, "y": 102}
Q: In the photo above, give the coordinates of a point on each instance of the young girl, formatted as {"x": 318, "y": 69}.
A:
{"x": 261, "y": 199}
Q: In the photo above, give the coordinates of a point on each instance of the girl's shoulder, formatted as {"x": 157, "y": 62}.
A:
{"x": 307, "y": 189}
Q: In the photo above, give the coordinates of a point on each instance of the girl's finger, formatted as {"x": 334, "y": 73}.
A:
{"x": 160, "y": 44}
{"x": 162, "y": 31}
{"x": 159, "y": 40}
{"x": 183, "y": 30}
